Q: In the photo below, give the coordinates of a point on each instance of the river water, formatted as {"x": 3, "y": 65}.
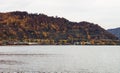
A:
{"x": 68, "y": 59}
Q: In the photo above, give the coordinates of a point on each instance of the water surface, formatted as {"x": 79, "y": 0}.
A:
{"x": 82, "y": 59}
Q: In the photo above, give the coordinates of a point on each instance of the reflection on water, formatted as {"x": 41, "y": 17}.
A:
{"x": 10, "y": 62}
{"x": 83, "y": 59}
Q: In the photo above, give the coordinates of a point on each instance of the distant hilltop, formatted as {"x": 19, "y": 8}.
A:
{"x": 24, "y": 28}
{"x": 115, "y": 31}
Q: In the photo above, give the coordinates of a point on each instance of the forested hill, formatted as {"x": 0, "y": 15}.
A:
{"x": 24, "y": 27}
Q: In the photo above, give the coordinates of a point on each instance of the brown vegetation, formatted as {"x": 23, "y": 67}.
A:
{"x": 21, "y": 26}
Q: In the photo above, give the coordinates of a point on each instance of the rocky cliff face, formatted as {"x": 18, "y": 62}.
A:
{"x": 19, "y": 26}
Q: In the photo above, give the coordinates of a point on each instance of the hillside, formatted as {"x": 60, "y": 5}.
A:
{"x": 115, "y": 31}
{"x": 20, "y": 27}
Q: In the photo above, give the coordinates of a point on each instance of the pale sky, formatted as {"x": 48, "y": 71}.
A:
{"x": 106, "y": 13}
